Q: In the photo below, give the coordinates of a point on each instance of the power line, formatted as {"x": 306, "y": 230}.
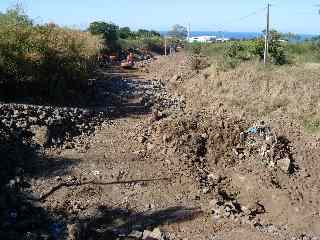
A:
{"x": 256, "y": 12}
{"x": 247, "y": 16}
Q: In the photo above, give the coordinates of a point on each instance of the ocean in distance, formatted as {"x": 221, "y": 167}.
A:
{"x": 237, "y": 35}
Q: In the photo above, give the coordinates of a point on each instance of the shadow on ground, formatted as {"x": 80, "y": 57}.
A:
{"x": 115, "y": 91}
{"x": 112, "y": 223}
{"x": 22, "y": 216}
{"x": 121, "y": 93}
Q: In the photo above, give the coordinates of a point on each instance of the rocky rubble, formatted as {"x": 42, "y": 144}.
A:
{"x": 50, "y": 125}
{"x": 162, "y": 101}
{"x": 260, "y": 144}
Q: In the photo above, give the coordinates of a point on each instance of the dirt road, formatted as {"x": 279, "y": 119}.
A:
{"x": 153, "y": 163}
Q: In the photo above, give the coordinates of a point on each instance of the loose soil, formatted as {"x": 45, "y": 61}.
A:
{"x": 154, "y": 163}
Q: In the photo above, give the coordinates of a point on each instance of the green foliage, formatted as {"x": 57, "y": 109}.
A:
{"x": 307, "y": 51}
{"x": 47, "y": 61}
{"x": 235, "y": 50}
{"x": 154, "y": 44}
{"x": 178, "y": 31}
{"x": 15, "y": 16}
{"x": 246, "y": 50}
{"x": 143, "y": 33}
{"x": 196, "y": 48}
{"x": 155, "y": 33}
{"x": 312, "y": 125}
{"x": 108, "y": 31}
{"x": 117, "y": 39}
{"x": 277, "y": 52}
{"x": 125, "y": 33}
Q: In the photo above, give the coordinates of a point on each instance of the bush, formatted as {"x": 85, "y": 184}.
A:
{"x": 277, "y": 50}
{"x": 43, "y": 61}
{"x": 196, "y": 48}
{"x": 155, "y": 44}
{"x": 248, "y": 50}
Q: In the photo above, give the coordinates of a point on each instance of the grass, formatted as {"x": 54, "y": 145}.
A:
{"x": 312, "y": 125}
{"x": 44, "y": 61}
{"x": 257, "y": 91}
{"x": 248, "y": 87}
{"x": 306, "y": 52}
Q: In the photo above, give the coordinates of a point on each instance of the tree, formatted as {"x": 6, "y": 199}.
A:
{"x": 15, "y": 16}
{"x": 125, "y": 33}
{"x": 143, "y": 33}
{"x": 276, "y": 48}
{"x": 178, "y": 31}
{"x": 109, "y": 32}
{"x": 155, "y": 33}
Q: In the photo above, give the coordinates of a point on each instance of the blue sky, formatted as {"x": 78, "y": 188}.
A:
{"x": 300, "y": 16}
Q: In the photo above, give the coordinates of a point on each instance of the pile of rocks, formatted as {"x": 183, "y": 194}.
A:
{"x": 144, "y": 63}
{"x": 161, "y": 100}
{"x": 49, "y": 125}
{"x": 260, "y": 143}
{"x": 224, "y": 206}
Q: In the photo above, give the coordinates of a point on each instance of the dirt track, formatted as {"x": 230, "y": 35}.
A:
{"x": 145, "y": 168}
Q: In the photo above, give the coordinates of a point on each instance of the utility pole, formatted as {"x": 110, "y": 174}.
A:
{"x": 165, "y": 45}
{"x": 266, "y": 46}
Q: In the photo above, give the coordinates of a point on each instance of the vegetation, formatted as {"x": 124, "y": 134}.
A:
{"x": 178, "y": 31}
{"x": 43, "y": 61}
{"x": 52, "y": 64}
{"x": 119, "y": 38}
{"x": 281, "y": 52}
{"x": 288, "y": 86}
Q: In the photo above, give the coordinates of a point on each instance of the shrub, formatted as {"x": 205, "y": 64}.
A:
{"x": 43, "y": 61}
{"x": 276, "y": 49}
{"x": 196, "y": 48}
{"x": 250, "y": 49}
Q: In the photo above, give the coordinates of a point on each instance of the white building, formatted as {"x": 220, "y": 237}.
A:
{"x": 222, "y": 39}
{"x": 202, "y": 39}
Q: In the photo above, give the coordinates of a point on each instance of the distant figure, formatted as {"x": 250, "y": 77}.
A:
{"x": 130, "y": 59}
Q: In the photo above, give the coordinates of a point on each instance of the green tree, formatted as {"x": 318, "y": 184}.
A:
{"x": 109, "y": 32}
{"x": 155, "y": 33}
{"x": 15, "y": 16}
{"x": 178, "y": 31}
{"x": 125, "y": 33}
{"x": 276, "y": 48}
{"x": 142, "y": 33}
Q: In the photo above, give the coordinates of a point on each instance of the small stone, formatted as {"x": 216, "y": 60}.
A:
{"x": 284, "y": 164}
{"x": 205, "y": 136}
{"x": 147, "y": 235}
{"x": 73, "y": 231}
{"x": 156, "y": 234}
{"x": 150, "y": 146}
{"x": 136, "y": 234}
{"x": 242, "y": 137}
{"x": 205, "y": 190}
{"x": 142, "y": 139}
{"x": 41, "y": 134}
{"x": 214, "y": 177}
